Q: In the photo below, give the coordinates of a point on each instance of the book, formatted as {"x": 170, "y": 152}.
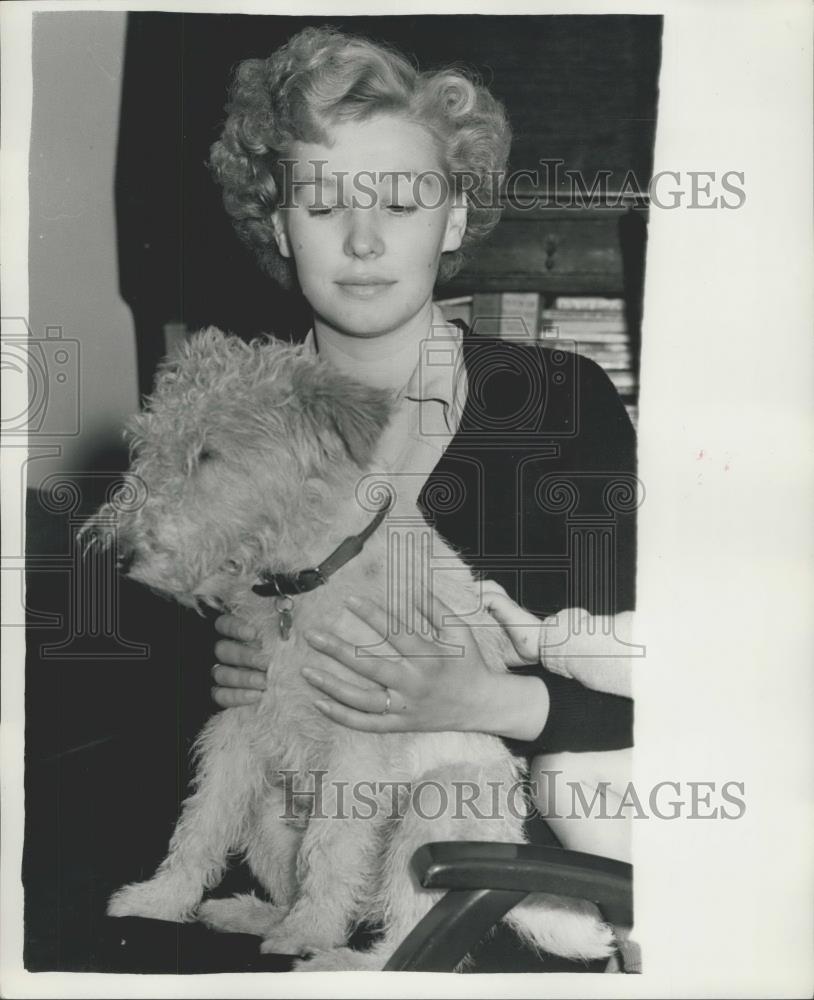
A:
{"x": 625, "y": 382}
{"x": 514, "y": 315}
{"x": 564, "y": 331}
{"x": 609, "y": 364}
{"x": 589, "y": 302}
{"x": 610, "y": 317}
{"x": 519, "y": 314}
{"x": 486, "y": 314}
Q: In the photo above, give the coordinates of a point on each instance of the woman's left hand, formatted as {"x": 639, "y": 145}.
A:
{"x": 521, "y": 626}
{"x": 436, "y": 681}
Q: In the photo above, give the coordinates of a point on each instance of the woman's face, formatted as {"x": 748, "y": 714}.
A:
{"x": 366, "y": 220}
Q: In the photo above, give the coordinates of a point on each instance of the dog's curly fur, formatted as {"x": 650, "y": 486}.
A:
{"x": 252, "y": 456}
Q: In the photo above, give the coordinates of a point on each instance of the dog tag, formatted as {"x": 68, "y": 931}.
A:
{"x": 286, "y": 619}
{"x": 284, "y": 606}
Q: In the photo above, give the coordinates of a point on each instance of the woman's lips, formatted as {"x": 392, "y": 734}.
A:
{"x": 364, "y": 289}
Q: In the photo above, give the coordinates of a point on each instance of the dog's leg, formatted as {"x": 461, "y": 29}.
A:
{"x": 400, "y": 902}
{"x": 274, "y": 839}
{"x": 228, "y": 779}
{"x": 241, "y": 914}
{"x": 336, "y": 869}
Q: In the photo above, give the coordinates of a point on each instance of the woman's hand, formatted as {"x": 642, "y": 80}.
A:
{"x": 521, "y": 626}
{"x": 240, "y": 673}
{"x": 593, "y": 650}
{"x": 435, "y": 681}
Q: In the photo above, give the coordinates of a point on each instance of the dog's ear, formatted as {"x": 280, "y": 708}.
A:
{"x": 343, "y": 411}
{"x": 361, "y": 417}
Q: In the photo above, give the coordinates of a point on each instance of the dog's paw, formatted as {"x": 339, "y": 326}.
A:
{"x": 243, "y": 914}
{"x": 293, "y": 937}
{"x": 160, "y": 898}
{"x": 340, "y": 960}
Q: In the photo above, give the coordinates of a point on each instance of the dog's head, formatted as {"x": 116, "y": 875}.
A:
{"x": 240, "y": 452}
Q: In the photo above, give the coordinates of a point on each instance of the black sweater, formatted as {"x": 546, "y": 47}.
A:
{"x": 537, "y": 491}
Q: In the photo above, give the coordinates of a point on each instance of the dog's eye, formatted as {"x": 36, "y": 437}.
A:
{"x": 206, "y": 455}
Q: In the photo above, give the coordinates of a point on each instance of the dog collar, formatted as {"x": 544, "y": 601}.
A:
{"x": 291, "y": 584}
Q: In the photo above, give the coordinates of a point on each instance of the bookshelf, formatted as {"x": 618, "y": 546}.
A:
{"x": 566, "y": 276}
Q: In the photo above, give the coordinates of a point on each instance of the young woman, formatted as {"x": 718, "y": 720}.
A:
{"x": 363, "y": 182}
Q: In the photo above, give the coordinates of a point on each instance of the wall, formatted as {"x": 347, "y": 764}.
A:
{"x": 73, "y": 269}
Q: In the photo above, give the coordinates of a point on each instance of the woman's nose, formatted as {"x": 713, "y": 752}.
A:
{"x": 363, "y": 238}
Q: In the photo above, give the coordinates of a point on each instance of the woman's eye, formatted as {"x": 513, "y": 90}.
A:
{"x": 323, "y": 211}
{"x": 402, "y": 209}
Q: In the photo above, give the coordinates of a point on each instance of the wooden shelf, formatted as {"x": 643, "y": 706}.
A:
{"x": 562, "y": 251}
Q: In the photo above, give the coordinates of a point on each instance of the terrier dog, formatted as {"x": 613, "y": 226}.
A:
{"x": 251, "y": 458}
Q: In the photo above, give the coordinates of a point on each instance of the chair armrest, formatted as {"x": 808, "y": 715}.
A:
{"x": 472, "y": 865}
{"x": 486, "y": 879}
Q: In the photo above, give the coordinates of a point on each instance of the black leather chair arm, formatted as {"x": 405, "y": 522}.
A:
{"x": 485, "y": 880}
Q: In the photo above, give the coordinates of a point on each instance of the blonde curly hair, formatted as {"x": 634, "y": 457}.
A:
{"x": 321, "y": 77}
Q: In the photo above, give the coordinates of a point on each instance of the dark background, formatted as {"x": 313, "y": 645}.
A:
{"x": 110, "y": 714}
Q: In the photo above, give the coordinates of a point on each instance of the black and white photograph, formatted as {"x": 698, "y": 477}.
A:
{"x": 408, "y": 500}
